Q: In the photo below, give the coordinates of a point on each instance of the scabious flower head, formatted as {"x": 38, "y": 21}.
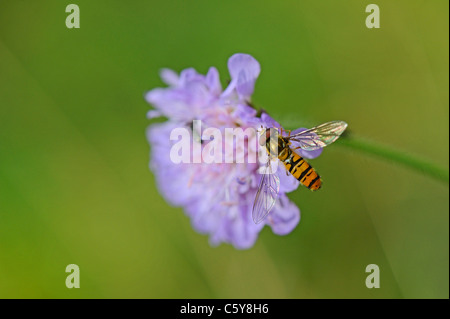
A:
{"x": 218, "y": 197}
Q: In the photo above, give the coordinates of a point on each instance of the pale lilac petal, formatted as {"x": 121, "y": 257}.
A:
{"x": 268, "y": 121}
{"x": 310, "y": 154}
{"x": 153, "y": 114}
{"x": 288, "y": 183}
{"x": 284, "y": 217}
{"x": 169, "y": 77}
{"x": 242, "y": 230}
{"x": 244, "y": 71}
{"x": 213, "y": 81}
{"x": 170, "y": 103}
{"x": 190, "y": 75}
{"x": 177, "y": 193}
{"x": 244, "y": 112}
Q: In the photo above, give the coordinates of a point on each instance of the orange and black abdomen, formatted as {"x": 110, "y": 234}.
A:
{"x": 301, "y": 170}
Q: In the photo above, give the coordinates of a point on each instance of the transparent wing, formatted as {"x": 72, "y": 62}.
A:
{"x": 319, "y": 136}
{"x": 267, "y": 194}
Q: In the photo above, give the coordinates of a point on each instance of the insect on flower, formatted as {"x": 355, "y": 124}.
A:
{"x": 218, "y": 197}
{"x": 278, "y": 146}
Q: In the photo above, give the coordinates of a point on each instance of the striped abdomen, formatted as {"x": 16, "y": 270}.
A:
{"x": 301, "y": 170}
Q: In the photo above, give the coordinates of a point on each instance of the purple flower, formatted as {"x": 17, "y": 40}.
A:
{"x": 217, "y": 197}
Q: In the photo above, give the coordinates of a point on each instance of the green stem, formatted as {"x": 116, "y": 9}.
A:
{"x": 421, "y": 165}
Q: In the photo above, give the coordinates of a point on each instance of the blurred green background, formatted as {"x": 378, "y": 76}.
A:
{"x": 74, "y": 180}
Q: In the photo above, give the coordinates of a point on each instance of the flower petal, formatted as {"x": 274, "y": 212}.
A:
{"x": 169, "y": 77}
{"x": 268, "y": 121}
{"x": 288, "y": 183}
{"x": 153, "y": 114}
{"x": 213, "y": 81}
{"x": 284, "y": 217}
{"x": 189, "y": 75}
{"x": 244, "y": 71}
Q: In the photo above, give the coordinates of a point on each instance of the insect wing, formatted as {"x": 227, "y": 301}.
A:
{"x": 267, "y": 194}
{"x": 319, "y": 136}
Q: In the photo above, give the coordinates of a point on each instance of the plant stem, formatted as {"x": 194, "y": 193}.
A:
{"x": 368, "y": 147}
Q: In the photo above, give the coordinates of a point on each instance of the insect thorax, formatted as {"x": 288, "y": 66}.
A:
{"x": 278, "y": 147}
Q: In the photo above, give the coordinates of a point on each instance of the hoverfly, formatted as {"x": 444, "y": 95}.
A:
{"x": 278, "y": 146}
